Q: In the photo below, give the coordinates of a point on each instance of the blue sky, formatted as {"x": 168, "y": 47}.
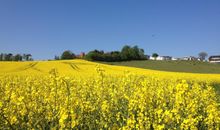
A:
{"x": 46, "y": 28}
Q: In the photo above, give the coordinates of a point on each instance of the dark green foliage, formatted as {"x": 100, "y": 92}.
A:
{"x": 95, "y": 55}
{"x": 127, "y": 53}
{"x": 8, "y": 57}
{"x": 203, "y": 55}
{"x": 155, "y": 55}
{"x": 67, "y": 55}
{"x": 1, "y": 57}
{"x": 27, "y": 57}
{"x": 16, "y": 57}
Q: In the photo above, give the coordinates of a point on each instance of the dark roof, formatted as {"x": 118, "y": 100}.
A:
{"x": 217, "y": 56}
{"x": 214, "y": 58}
{"x": 166, "y": 56}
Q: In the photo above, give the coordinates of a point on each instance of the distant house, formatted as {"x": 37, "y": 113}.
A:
{"x": 173, "y": 58}
{"x": 214, "y": 59}
{"x": 194, "y": 58}
{"x": 191, "y": 58}
{"x": 167, "y": 57}
{"x": 161, "y": 58}
{"x": 81, "y": 55}
{"x": 152, "y": 58}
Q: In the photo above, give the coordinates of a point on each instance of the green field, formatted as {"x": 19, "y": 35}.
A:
{"x": 174, "y": 66}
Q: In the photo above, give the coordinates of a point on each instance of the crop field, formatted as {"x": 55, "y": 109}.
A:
{"x": 78, "y": 94}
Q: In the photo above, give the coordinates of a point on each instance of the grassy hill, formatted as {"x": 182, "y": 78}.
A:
{"x": 174, "y": 66}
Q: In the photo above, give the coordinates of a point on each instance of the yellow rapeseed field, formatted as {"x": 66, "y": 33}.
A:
{"x": 78, "y": 94}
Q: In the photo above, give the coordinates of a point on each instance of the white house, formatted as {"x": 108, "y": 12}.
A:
{"x": 167, "y": 57}
{"x": 164, "y": 58}
{"x": 161, "y": 58}
{"x": 152, "y": 58}
{"x": 191, "y": 58}
{"x": 214, "y": 59}
{"x": 174, "y": 58}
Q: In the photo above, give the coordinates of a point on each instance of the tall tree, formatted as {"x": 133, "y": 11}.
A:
{"x": 141, "y": 54}
{"x": 135, "y": 53}
{"x": 24, "y": 57}
{"x": 155, "y": 55}
{"x": 67, "y": 55}
{"x": 1, "y": 57}
{"x": 8, "y": 57}
{"x": 28, "y": 57}
{"x": 18, "y": 57}
{"x": 203, "y": 55}
{"x": 126, "y": 53}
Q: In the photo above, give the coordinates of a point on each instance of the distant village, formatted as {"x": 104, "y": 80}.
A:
{"x": 211, "y": 59}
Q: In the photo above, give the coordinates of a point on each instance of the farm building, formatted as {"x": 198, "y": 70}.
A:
{"x": 191, "y": 58}
{"x": 161, "y": 58}
{"x": 214, "y": 59}
{"x": 152, "y": 58}
{"x": 81, "y": 55}
{"x": 164, "y": 58}
{"x": 173, "y": 58}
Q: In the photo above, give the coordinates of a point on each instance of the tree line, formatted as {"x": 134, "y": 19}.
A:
{"x": 15, "y": 57}
{"x": 127, "y": 53}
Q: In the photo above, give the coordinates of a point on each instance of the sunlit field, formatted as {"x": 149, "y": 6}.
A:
{"x": 78, "y": 94}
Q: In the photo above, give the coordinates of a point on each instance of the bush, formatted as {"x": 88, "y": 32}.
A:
{"x": 67, "y": 55}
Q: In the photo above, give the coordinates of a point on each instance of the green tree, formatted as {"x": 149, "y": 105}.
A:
{"x": 24, "y": 57}
{"x": 1, "y": 56}
{"x": 67, "y": 55}
{"x": 18, "y": 57}
{"x": 95, "y": 55}
{"x": 203, "y": 55}
{"x": 115, "y": 55}
{"x": 155, "y": 55}
{"x": 126, "y": 53}
{"x": 134, "y": 52}
{"x": 141, "y": 54}
{"x": 27, "y": 57}
{"x": 8, "y": 57}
